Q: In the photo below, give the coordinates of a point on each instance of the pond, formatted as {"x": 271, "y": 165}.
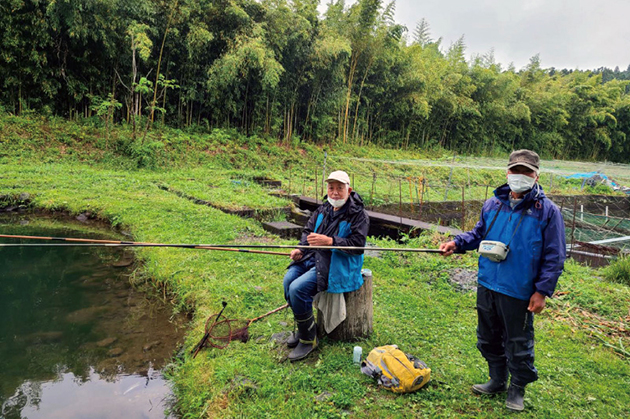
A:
{"x": 76, "y": 339}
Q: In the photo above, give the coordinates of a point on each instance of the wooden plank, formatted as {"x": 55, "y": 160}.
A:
{"x": 380, "y": 219}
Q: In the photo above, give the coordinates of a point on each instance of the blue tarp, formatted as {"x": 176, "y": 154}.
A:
{"x": 586, "y": 175}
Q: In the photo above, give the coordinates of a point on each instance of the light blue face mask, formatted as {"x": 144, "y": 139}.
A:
{"x": 520, "y": 183}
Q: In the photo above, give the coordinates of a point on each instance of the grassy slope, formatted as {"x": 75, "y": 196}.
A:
{"x": 416, "y": 306}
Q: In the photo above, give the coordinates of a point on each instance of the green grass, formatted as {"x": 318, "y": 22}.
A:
{"x": 619, "y": 270}
{"x": 580, "y": 337}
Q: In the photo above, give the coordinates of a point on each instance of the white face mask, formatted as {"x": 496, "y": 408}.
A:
{"x": 520, "y": 183}
{"x": 337, "y": 203}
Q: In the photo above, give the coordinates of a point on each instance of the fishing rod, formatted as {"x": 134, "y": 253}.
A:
{"x": 227, "y": 247}
{"x": 86, "y": 243}
{"x": 307, "y": 247}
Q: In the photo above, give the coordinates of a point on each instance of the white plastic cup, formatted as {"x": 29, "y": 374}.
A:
{"x": 356, "y": 354}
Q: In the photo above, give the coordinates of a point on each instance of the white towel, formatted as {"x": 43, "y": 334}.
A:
{"x": 333, "y": 308}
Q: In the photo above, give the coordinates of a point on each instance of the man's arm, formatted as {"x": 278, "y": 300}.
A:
{"x": 359, "y": 228}
{"x": 309, "y": 228}
{"x": 297, "y": 254}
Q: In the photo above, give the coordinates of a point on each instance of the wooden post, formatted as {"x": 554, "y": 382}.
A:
{"x": 400, "y": 201}
{"x": 316, "y": 187}
{"x": 463, "y": 207}
{"x": 421, "y": 199}
{"x": 573, "y": 228}
{"x": 359, "y": 314}
{"x": 372, "y": 193}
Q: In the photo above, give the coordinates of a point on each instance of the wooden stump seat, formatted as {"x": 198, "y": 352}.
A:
{"x": 359, "y": 314}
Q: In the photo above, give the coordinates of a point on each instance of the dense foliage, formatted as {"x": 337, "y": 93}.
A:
{"x": 275, "y": 67}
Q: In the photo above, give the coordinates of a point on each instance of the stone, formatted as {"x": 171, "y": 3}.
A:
{"x": 150, "y": 346}
{"x": 114, "y": 352}
{"x": 85, "y": 315}
{"x": 241, "y": 383}
{"x": 283, "y": 229}
{"x": 106, "y": 342}
{"x": 123, "y": 263}
{"x": 464, "y": 279}
{"x": 280, "y": 337}
{"x": 322, "y": 397}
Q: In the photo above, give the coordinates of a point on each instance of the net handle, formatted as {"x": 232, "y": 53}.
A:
{"x": 268, "y": 313}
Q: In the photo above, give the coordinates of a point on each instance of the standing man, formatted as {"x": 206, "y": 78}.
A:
{"x": 341, "y": 221}
{"x": 511, "y": 290}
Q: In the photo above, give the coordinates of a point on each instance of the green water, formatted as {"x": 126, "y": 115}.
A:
{"x": 76, "y": 340}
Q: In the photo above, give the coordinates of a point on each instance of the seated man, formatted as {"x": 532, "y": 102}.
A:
{"x": 341, "y": 221}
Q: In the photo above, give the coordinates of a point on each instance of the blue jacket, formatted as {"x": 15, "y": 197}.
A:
{"x": 338, "y": 270}
{"x": 537, "y": 251}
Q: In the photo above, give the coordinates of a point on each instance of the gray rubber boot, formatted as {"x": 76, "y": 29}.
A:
{"x": 491, "y": 387}
{"x": 307, "y": 330}
{"x": 514, "y": 401}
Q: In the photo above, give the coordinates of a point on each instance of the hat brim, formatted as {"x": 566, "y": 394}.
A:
{"x": 529, "y": 166}
{"x": 337, "y": 180}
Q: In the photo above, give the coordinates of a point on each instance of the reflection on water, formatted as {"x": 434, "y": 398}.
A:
{"x": 91, "y": 397}
{"x": 75, "y": 337}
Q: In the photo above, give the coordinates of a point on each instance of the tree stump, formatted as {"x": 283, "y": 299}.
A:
{"x": 359, "y": 314}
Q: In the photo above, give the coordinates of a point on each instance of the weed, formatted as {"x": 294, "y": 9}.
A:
{"x": 619, "y": 270}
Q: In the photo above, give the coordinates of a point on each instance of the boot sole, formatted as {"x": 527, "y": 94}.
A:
{"x": 515, "y": 408}
{"x": 487, "y": 393}
{"x": 303, "y": 356}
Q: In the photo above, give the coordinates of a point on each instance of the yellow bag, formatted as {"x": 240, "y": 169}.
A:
{"x": 395, "y": 370}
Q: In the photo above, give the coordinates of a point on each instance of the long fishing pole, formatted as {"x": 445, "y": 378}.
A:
{"x": 299, "y": 246}
{"x": 182, "y": 246}
{"x": 228, "y": 247}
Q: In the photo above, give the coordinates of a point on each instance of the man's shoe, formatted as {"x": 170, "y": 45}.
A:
{"x": 514, "y": 401}
{"x": 491, "y": 387}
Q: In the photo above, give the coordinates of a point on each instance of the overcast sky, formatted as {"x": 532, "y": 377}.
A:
{"x": 583, "y": 34}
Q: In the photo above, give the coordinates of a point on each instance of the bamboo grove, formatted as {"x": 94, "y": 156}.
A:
{"x": 278, "y": 68}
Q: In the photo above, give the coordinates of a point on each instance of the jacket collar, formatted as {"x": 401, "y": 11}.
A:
{"x": 535, "y": 194}
{"x": 353, "y": 205}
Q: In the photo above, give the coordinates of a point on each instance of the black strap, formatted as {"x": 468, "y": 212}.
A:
{"x": 517, "y": 226}
{"x": 495, "y": 218}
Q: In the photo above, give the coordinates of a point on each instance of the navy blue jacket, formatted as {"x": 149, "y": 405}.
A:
{"x": 338, "y": 270}
{"x": 537, "y": 251}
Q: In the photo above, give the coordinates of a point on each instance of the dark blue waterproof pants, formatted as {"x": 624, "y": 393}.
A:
{"x": 505, "y": 336}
